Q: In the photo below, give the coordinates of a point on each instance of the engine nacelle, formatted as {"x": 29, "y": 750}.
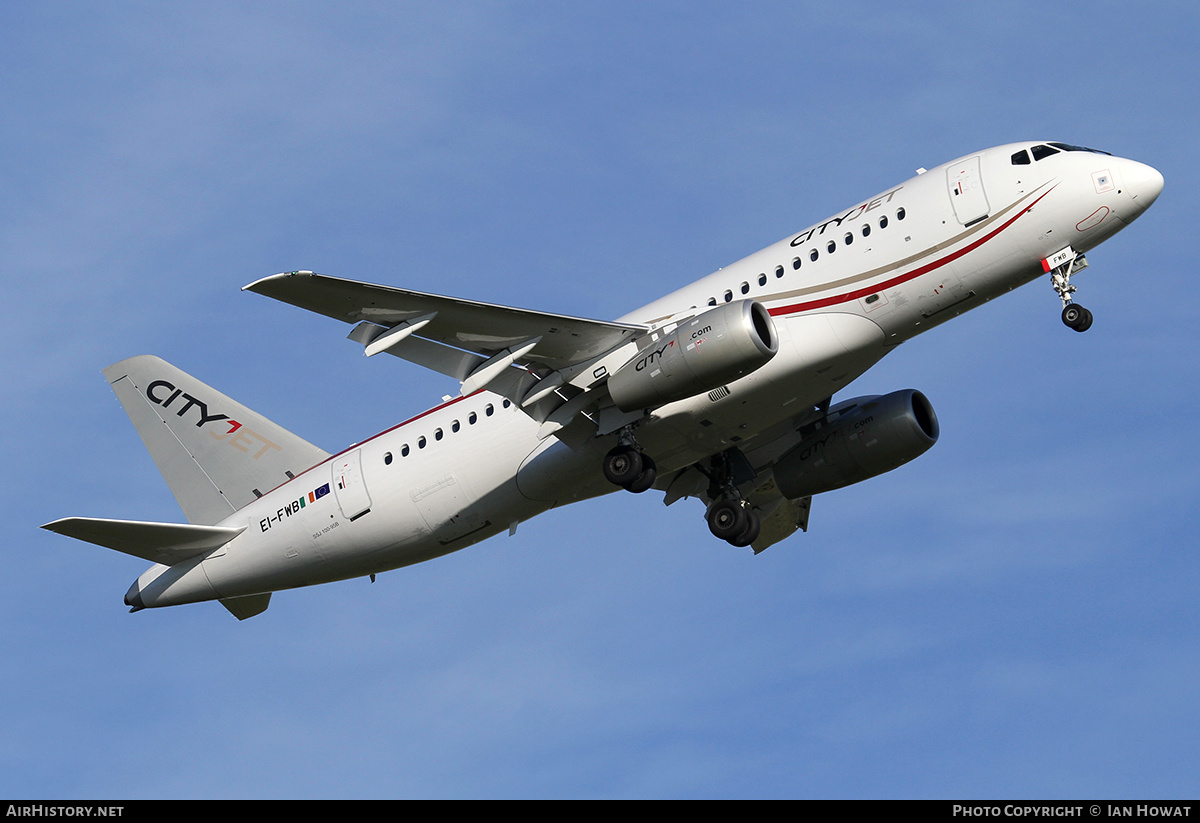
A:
{"x": 705, "y": 352}
{"x": 861, "y": 438}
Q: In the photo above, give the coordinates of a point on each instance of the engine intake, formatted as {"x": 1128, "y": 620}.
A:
{"x": 861, "y": 438}
{"x": 705, "y": 352}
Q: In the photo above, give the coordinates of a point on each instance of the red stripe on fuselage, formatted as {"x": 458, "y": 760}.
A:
{"x": 903, "y": 278}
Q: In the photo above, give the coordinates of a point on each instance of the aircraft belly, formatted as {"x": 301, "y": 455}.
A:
{"x": 557, "y": 474}
{"x": 819, "y": 354}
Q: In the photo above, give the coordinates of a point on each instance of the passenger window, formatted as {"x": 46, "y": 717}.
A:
{"x": 796, "y": 263}
{"x": 745, "y": 288}
{"x": 488, "y": 411}
{"x": 883, "y": 222}
{"x": 779, "y": 269}
{"x": 900, "y": 213}
{"x": 712, "y": 301}
{"x": 404, "y": 450}
{"x": 762, "y": 280}
{"x": 728, "y": 296}
{"x": 849, "y": 238}
{"x": 831, "y": 247}
{"x": 813, "y": 255}
{"x": 472, "y": 418}
{"x": 454, "y": 426}
{"x": 437, "y": 434}
{"x": 421, "y": 442}
{"x": 387, "y": 459}
{"x": 866, "y": 230}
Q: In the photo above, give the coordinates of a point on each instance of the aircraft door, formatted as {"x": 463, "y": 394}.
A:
{"x": 965, "y": 184}
{"x": 349, "y": 485}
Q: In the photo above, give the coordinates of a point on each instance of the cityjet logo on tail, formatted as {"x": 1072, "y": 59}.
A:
{"x": 165, "y": 393}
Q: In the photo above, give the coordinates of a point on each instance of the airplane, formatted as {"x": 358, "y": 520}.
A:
{"x": 721, "y": 391}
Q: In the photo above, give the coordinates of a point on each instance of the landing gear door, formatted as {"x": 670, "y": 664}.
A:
{"x": 966, "y": 191}
{"x": 349, "y": 486}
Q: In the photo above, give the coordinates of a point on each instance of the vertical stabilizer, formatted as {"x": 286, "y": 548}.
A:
{"x": 214, "y": 453}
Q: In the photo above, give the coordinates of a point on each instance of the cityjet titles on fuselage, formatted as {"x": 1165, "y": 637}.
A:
{"x": 857, "y": 211}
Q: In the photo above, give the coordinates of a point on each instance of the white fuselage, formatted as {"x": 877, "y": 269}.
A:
{"x": 842, "y": 294}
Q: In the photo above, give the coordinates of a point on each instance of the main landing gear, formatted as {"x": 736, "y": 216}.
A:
{"x": 733, "y": 521}
{"x": 629, "y": 467}
{"x": 1061, "y": 266}
{"x": 730, "y": 517}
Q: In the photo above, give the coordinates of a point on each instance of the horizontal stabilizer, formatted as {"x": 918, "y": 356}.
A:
{"x": 166, "y": 543}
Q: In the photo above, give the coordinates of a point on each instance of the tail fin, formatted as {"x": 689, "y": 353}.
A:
{"x": 214, "y": 453}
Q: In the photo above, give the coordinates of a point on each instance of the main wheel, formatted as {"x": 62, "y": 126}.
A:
{"x": 646, "y": 479}
{"x": 750, "y": 534}
{"x": 726, "y": 519}
{"x": 623, "y": 465}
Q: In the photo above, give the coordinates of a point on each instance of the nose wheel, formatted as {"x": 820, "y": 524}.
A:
{"x": 1061, "y": 266}
{"x": 1076, "y": 317}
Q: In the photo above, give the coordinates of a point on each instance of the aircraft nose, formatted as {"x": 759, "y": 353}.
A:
{"x": 1142, "y": 183}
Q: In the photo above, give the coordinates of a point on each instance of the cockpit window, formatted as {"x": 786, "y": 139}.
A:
{"x": 1069, "y": 147}
{"x": 1042, "y": 152}
{"x": 1021, "y": 158}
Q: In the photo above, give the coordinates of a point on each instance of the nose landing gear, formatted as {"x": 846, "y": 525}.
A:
{"x": 1076, "y": 317}
{"x": 1061, "y": 266}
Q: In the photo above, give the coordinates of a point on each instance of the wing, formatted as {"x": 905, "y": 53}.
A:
{"x": 475, "y": 343}
{"x": 481, "y": 328}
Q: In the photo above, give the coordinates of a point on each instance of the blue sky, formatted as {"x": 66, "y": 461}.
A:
{"x": 1012, "y": 615}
